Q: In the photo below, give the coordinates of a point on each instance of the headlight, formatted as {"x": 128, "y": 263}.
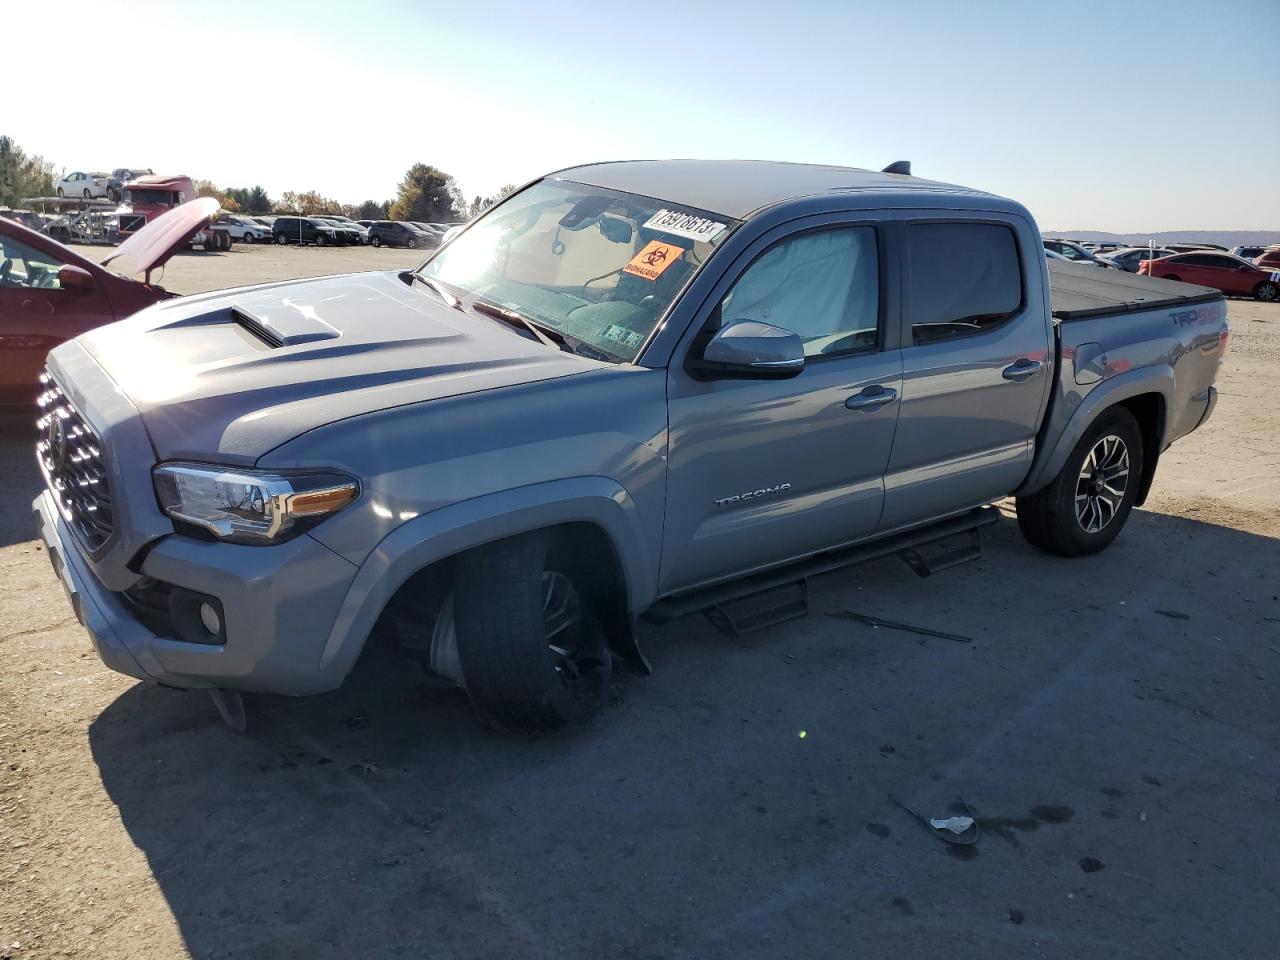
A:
{"x": 250, "y": 506}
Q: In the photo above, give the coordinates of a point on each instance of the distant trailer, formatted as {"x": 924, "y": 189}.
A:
{"x": 61, "y": 204}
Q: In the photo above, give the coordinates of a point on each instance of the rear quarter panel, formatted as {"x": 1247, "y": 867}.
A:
{"x": 1172, "y": 351}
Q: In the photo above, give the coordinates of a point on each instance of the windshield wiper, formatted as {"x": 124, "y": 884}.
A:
{"x": 409, "y": 276}
{"x": 548, "y": 335}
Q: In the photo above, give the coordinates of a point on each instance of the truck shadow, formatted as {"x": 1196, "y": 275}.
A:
{"x": 383, "y": 820}
{"x": 20, "y": 479}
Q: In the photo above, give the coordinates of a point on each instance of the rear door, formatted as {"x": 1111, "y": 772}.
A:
{"x": 976, "y": 366}
{"x": 764, "y": 471}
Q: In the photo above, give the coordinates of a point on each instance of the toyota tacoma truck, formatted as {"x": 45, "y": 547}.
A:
{"x": 630, "y": 389}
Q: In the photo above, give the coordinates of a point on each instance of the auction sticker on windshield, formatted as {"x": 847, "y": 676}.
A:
{"x": 650, "y": 262}
{"x": 686, "y": 225}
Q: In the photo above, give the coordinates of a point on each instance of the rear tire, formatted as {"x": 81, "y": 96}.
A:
{"x": 530, "y": 643}
{"x": 1267, "y": 291}
{"x": 1087, "y": 504}
{"x": 280, "y": 239}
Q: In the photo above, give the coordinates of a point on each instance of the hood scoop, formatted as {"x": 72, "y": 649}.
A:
{"x": 289, "y": 325}
{"x": 287, "y": 328}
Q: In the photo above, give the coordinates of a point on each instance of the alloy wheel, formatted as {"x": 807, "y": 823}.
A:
{"x": 562, "y": 618}
{"x": 1101, "y": 485}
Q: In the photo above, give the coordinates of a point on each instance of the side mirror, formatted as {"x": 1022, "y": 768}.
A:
{"x": 75, "y": 278}
{"x": 752, "y": 350}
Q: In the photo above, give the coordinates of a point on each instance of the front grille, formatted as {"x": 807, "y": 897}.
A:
{"x": 71, "y": 459}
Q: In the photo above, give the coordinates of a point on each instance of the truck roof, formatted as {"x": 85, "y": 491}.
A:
{"x": 739, "y": 188}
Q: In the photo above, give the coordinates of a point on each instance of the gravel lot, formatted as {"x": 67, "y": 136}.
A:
{"x": 1113, "y": 725}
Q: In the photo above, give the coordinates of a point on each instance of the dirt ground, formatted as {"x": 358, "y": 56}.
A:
{"x": 1113, "y": 724}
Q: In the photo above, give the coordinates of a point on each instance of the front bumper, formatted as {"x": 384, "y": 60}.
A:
{"x": 279, "y": 602}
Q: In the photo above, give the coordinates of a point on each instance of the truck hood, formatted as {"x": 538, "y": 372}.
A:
{"x": 154, "y": 244}
{"x": 228, "y": 376}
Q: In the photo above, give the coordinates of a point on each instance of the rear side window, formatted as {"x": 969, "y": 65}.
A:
{"x": 965, "y": 278}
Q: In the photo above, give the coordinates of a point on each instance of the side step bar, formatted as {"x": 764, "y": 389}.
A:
{"x": 712, "y": 600}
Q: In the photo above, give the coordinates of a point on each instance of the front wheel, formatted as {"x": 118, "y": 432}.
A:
{"x": 61, "y": 195}
{"x": 531, "y": 646}
{"x": 1267, "y": 291}
{"x": 376, "y": 242}
{"x": 280, "y": 239}
{"x": 320, "y": 240}
{"x": 1086, "y": 505}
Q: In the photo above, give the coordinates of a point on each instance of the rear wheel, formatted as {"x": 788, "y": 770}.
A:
{"x": 281, "y": 239}
{"x": 1268, "y": 291}
{"x": 531, "y": 646}
{"x": 1086, "y": 505}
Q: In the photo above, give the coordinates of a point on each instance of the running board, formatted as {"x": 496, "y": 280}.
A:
{"x": 713, "y": 600}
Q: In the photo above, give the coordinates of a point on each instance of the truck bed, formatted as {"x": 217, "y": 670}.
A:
{"x": 1078, "y": 291}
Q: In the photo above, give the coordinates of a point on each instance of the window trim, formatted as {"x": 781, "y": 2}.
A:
{"x": 908, "y": 287}
{"x": 712, "y": 322}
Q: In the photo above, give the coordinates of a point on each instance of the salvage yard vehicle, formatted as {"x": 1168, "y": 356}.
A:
{"x": 397, "y": 233}
{"x": 87, "y": 185}
{"x": 152, "y": 196}
{"x": 629, "y": 389}
{"x": 304, "y": 230}
{"x": 1232, "y": 275}
{"x": 1130, "y": 258}
{"x": 49, "y": 293}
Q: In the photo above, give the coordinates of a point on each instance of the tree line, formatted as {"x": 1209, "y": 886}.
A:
{"x": 426, "y": 193}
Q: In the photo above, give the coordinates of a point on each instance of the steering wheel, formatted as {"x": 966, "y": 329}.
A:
{"x": 5, "y": 269}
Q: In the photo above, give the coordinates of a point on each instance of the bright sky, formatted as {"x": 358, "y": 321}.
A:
{"x": 1102, "y": 115}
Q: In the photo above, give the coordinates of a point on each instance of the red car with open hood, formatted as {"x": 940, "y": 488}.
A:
{"x": 49, "y": 293}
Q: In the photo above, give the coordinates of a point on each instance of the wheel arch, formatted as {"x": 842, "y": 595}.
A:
{"x": 1144, "y": 393}
{"x": 596, "y": 512}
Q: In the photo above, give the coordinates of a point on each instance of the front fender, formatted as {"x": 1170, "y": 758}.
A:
{"x": 1072, "y": 415}
{"x": 471, "y": 523}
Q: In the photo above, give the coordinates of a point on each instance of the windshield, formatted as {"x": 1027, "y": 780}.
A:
{"x": 595, "y": 264}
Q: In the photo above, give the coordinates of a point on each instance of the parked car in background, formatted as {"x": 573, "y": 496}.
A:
{"x": 1189, "y": 246}
{"x": 1076, "y": 253}
{"x": 122, "y": 175}
{"x": 49, "y": 293}
{"x": 304, "y": 230}
{"x": 1247, "y": 253}
{"x": 243, "y": 228}
{"x": 89, "y": 186}
{"x": 366, "y": 223}
{"x": 1219, "y": 270}
{"x": 1128, "y": 259}
{"x": 349, "y": 232}
{"x": 28, "y": 218}
{"x": 1268, "y": 258}
{"x": 398, "y": 233}
{"x": 1102, "y": 246}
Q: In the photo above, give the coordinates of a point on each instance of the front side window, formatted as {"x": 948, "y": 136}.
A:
{"x": 965, "y": 278}
{"x": 822, "y": 286}
{"x": 25, "y": 266}
{"x": 598, "y": 267}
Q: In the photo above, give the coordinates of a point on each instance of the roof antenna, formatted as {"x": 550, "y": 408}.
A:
{"x": 899, "y": 166}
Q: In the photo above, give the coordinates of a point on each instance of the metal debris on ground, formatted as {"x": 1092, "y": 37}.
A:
{"x": 956, "y": 825}
{"x": 894, "y": 625}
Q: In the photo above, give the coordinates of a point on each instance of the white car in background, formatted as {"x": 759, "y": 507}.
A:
{"x": 244, "y": 229}
{"x": 86, "y": 185}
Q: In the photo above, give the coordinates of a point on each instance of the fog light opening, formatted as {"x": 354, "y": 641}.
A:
{"x": 209, "y": 617}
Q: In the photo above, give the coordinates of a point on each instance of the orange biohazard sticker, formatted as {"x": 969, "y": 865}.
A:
{"x": 650, "y": 262}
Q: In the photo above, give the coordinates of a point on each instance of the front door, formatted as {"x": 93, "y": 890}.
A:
{"x": 36, "y": 315}
{"x": 764, "y": 471}
{"x": 976, "y": 367}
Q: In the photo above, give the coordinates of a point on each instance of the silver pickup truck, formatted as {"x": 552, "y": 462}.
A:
{"x": 630, "y": 389}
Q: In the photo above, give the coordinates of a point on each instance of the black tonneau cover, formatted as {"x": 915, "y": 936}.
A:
{"x": 1079, "y": 290}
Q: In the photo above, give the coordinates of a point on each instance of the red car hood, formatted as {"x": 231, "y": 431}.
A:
{"x": 154, "y": 244}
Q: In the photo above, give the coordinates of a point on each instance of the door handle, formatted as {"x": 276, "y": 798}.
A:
{"x": 872, "y": 398}
{"x": 1023, "y": 369}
